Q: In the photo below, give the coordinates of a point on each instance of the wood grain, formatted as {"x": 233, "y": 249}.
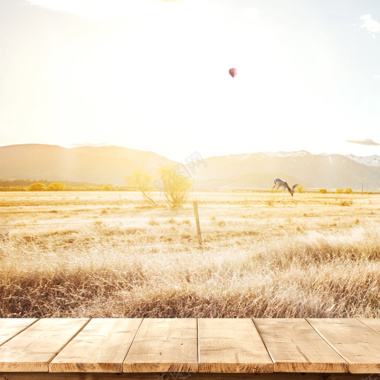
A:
{"x": 296, "y": 347}
{"x": 231, "y": 346}
{"x": 35, "y": 347}
{"x": 194, "y": 376}
{"x": 9, "y": 327}
{"x": 358, "y": 343}
{"x": 100, "y": 347}
{"x": 373, "y": 323}
{"x": 164, "y": 345}
{"x": 168, "y": 348}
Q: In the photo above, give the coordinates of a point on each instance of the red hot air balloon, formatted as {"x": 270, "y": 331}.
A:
{"x": 232, "y": 72}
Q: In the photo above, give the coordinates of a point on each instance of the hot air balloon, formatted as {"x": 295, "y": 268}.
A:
{"x": 232, "y": 72}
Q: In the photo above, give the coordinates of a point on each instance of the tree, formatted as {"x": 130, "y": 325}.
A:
{"x": 107, "y": 188}
{"x": 142, "y": 182}
{"x": 176, "y": 187}
{"x": 37, "y": 187}
{"x": 56, "y": 186}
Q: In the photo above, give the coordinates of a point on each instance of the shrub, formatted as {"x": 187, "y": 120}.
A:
{"x": 300, "y": 189}
{"x": 347, "y": 190}
{"x": 176, "y": 187}
{"x": 37, "y": 187}
{"x": 322, "y": 191}
{"x": 339, "y": 191}
{"x": 56, "y": 186}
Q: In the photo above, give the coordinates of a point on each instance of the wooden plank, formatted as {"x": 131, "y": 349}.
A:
{"x": 356, "y": 342}
{"x": 231, "y": 346}
{"x": 371, "y": 322}
{"x": 100, "y": 347}
{"x": 182, "y": 376}
{"x": 35, "y": 347}
{"x": 296, "y": 347}
{"x": 9, "y": 327}
{"x": 164, "y": 345}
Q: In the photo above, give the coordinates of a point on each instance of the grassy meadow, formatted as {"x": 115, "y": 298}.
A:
{"x": 105, "y": 254}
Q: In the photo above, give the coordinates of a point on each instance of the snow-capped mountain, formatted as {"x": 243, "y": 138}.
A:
{"x": 366, "y": 160}
{"x": 258, "y": 170}
{"x": 110, "y": 164}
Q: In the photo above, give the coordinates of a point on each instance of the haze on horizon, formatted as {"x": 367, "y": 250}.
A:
{"x": 153, "y": 75}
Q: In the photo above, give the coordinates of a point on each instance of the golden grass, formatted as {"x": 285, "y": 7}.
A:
{"x": 264, "y": 255}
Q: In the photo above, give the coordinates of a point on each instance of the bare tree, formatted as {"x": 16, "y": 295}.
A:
{"x": 142, "y": 182}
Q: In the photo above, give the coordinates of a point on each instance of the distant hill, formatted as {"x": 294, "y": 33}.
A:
{"x": 105, "y": 164}
{"x": 110, "y": 164}
{"x": 27, "y": 182}
{"x": 258, "y": 170}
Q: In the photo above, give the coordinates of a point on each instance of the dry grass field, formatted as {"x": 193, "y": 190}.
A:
{"x": 104, "y": 254}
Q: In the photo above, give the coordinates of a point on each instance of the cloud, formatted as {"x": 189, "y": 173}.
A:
{"x": 371, "y": 25}
{"x": 363, "y": 142}
{"x": 101, "y": 8}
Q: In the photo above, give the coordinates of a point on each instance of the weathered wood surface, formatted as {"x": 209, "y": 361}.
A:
{"x": 355, "y": 341}
{"x": 33, "y": 349}
{"x": 100, "y": 347}
{"x": 175, "y": 349}
{"x": 164, "y": 345}
{"x": 372, "y": 322}
{"x": 296, "y": 347}
{"x": 12, "y": 326}
{"x": 231, "y": 346}
{"x": 175, "y": 376}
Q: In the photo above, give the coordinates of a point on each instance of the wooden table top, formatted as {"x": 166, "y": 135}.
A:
{"x": 190, "y": 345}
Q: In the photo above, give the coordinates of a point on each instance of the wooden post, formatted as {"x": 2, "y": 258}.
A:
{"x": 195, "y": 204}
{"x": 362, "y": 188}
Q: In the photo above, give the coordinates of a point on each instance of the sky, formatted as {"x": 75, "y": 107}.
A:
{"x": 153, "y": 75}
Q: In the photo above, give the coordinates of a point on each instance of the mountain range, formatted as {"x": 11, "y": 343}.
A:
{"x": 111, "y": 164}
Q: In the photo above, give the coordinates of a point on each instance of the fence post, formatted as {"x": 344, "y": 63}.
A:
{"x": 196, "y": 213}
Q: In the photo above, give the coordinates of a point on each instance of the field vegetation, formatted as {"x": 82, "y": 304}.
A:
{"x": 107, "y": 254}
